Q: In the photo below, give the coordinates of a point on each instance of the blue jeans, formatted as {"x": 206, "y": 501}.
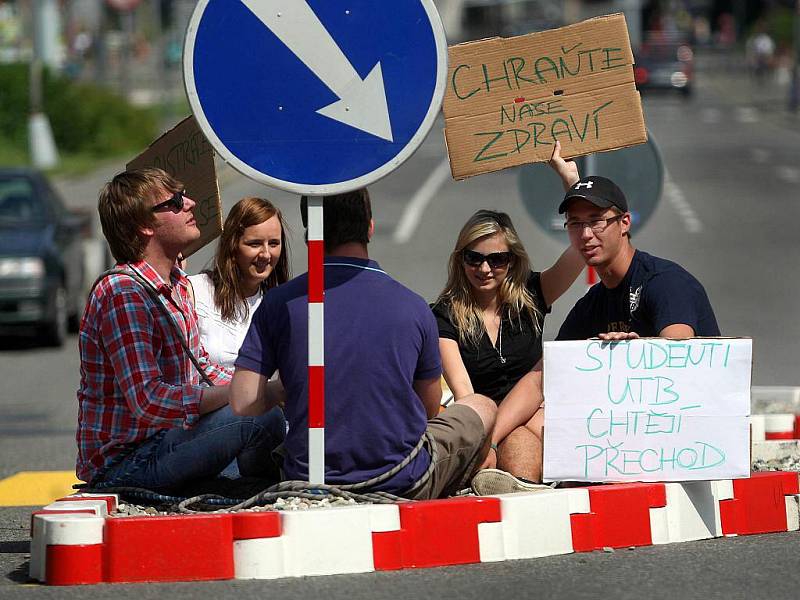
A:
{"x": 175, "y": 457}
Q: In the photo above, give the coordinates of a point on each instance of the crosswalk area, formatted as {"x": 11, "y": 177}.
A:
{"x": 36, "y": 488}
{"x": 740, "y": 116}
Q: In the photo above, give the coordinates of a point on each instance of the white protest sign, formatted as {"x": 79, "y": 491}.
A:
{"x": 650, "y": 409}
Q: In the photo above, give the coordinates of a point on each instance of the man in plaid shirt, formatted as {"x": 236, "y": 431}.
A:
{"x": 144, "y": 417}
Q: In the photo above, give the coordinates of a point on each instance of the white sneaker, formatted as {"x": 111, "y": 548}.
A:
{"x": 488, "y": 482}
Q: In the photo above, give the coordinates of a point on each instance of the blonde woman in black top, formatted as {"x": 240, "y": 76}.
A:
{"x": 490, "y": 316}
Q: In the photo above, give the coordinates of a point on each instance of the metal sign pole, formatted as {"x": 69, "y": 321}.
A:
{"x": 288, "y": 58}
{"x": 316, "y": 343}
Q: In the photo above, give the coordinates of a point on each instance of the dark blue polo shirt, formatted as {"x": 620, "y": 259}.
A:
{"x": 379, "y": 338}
{"x": 654, "y": 294}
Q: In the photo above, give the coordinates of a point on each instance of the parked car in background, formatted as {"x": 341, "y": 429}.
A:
{"x": 664, "y": 63}
{"x": 41, "y": 257}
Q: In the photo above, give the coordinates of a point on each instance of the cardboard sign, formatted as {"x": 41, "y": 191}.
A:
{"x": 650, "y": 409}
{"x": 509, "y": 99}
{"x": 184, "y": 153}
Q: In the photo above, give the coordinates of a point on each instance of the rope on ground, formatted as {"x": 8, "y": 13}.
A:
{"x": 217, "y": 503}
{"x": 316, "y": 491}
{"x": 288, "y": 489}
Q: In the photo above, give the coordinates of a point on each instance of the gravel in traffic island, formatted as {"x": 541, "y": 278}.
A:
{"x": 281, "y": 504}
{"x": 776, "y": 455}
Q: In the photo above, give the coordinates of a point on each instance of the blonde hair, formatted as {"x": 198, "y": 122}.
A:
{"x": 514, "y": 298}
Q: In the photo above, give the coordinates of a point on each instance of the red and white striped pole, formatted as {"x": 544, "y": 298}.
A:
{"x": 591, "y": 276}
{"x": 316, "y": 342}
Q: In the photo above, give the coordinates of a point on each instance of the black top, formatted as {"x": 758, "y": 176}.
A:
{"x": 521, "y": 347}
{"x": 654, "y": 293}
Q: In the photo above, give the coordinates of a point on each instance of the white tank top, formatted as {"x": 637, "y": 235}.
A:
{"x": 220, "y": 338}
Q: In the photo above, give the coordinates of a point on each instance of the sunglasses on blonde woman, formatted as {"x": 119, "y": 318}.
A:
{"x": 496, "y": 260}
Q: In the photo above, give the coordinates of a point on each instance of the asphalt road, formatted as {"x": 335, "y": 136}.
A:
{"x": 728, "y": 213}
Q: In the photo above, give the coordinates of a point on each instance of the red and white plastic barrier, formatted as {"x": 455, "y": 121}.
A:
{"x": 759, "y": 503}
{"x": 691, "y": 511}
{"x": 69, "y": 530}
{"x": 74, "y": 541}
{"x": 779, "y": 426}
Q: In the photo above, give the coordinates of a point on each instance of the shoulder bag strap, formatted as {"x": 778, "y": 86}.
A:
{"x": 153, "y": 293}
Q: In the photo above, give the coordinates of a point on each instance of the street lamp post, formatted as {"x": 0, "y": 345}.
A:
{"x": 42, "y": 146}
{"x": 633, "y": 16}
{"x": 794, "y": 90}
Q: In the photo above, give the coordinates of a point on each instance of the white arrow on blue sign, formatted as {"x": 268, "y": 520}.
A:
{"x": 315, "y": 96}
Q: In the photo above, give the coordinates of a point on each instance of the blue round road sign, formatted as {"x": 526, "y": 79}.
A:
{"x": 315, "y": 96}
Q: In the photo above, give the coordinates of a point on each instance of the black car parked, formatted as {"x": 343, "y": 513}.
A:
{"x": 665, "y": 64}
{"x": 41, "y": 257}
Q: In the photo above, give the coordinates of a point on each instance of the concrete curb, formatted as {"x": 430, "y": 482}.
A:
{"x": 76, "y": 541}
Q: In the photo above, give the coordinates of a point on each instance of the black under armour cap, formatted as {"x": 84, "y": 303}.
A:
{"x": 598, "y": 190}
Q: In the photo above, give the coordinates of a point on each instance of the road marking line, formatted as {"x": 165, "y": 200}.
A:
{"x": 747, "y": 114}
{"x": 675, "y": 197}
{"x": 711, "y": 115}
{"x": 788, "y": 174}
{"x": 36, "y": 488}
{"x": 94, "y": 260}
{"x": 415, "y": 209}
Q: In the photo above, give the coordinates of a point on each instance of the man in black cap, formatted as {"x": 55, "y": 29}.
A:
{"x": 638, "y": 295}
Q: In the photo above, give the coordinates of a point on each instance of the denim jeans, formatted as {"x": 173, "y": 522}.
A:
{"x": 178, "y": 456}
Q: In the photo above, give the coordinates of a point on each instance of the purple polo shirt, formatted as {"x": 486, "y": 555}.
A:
{"x": 379, "y": 338}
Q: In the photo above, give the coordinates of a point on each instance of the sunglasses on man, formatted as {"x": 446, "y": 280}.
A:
{"x": 174, "y": 203}
{"x": 496, "y": 260}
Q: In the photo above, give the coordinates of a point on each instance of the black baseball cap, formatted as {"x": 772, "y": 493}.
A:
{"x": 598, "y": 190}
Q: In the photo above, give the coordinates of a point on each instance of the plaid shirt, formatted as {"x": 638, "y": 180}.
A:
{"x": 136, "y": 379}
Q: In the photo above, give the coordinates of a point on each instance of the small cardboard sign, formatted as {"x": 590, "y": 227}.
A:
{"x": 184, "y": 153}
{"x": 649, "y": 409}
{"x": 509, "y": 99}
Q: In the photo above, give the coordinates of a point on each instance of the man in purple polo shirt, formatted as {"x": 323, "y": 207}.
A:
{"x": 382, "y": 370}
